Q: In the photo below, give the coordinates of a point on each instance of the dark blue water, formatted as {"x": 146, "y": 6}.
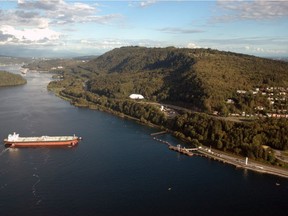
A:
{"x": 118, "y": 169}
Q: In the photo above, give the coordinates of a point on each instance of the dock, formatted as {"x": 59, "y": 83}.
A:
{"x": 177, "y": 148}
{"x": 238, "y": 162}
{"x": 158, "y": 133}
{"x": 181, "y": 150}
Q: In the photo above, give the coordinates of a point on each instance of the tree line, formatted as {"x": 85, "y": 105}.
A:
{"x": 201, "y": 79}
{"x": 250, "y": 139}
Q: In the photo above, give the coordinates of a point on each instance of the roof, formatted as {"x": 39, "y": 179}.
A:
{"x": 136, "y": 96}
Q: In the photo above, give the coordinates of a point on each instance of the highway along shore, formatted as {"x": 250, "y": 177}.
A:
{"x": 237, "y": 161}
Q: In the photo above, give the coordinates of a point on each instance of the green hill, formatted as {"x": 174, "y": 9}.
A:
{"x": 9, "y": 79}
{"x": 199, "y": 78}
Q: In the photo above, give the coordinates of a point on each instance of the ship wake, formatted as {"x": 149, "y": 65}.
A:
{"x": 3, "y": 151}
{"x": 34, "y": 190}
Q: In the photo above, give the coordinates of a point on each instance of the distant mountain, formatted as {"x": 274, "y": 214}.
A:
{"x": 55, "y": 64}
{"x": 200, "y": 78}
{"x": 90, "y": 57}
{"x": 13, "y": 60}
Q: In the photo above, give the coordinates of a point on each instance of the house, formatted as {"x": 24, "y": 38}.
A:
{"x": 230, "y": 101}
{"x": 136, "y": 96}
{"x": 259, "y": 108}
{"x": 241, "y": 91}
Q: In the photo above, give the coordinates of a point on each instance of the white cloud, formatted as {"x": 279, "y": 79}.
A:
{"x": 147, "y": 3}
{"x": 32, "y": 22}
{"x": 262, "y": 46}
{"x": 249, "y": 41}
{"x": 61, "y": 12}
{"x": 192, "y": 46}
{"x": 104, "y": 43}
{"x": 175, "y": 30}
{"x": 252, "y": 10}
{"x": 23, "y": 18}
{"x": 247, "y": 47}
{"x": 267, "y": 51}
{"x": 111, "y": 43}
{"x": 10, "y": 35}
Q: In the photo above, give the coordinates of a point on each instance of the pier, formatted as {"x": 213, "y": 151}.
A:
{"x": 162, "y": 141}
{"x": 177, "y": 148}
{"x": 158, "y": 133}
{"x": 238, "y": 162}
{"x": 213, "y": 154}
{"x": 181, "y": 150}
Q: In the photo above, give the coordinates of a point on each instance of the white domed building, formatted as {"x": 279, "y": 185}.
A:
{"x": 136, "y": 96}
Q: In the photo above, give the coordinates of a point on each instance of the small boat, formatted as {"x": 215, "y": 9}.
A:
{"x": 24, "y": 70}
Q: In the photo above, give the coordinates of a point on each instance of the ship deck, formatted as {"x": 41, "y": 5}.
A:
{"x": 46, "y": 139}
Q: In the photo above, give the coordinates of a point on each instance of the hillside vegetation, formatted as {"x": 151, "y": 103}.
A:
{"x": 199, "y": 78}
{"x": 9, "y": 79}
{"x": 54, "y": 65}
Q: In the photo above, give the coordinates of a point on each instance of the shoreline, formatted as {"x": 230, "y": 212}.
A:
{"x": 218, "y": 155}
{"x": 239, "y": 162}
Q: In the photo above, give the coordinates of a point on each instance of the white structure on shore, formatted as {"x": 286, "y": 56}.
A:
{"x": 136, "y": 96}
{"x": 246, "y": 161}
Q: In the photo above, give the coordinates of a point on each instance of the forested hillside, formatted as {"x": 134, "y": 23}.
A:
{"x": 54, "y": 65}
{"x": 200, "y": 78}
{"x": 9, "y": 79}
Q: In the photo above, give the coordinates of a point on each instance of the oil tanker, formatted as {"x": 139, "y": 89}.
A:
{"x": 15, "y": 141}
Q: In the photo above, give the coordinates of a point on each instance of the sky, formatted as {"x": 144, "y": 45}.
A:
{"x": 61, "y": 28}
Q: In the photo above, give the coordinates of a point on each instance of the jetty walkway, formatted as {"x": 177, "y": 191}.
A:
{"x": 239, "y": 162}
{"x": 158, "y": 133}
{"x": 177, "y": 148}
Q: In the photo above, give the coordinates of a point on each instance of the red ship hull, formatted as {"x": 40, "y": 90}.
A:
{"x": 15, "y": 141}
{"x": 41, "y": 144}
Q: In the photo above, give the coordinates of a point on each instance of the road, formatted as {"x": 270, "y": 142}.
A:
{"x": 240, "y": 162}
{"x": 178, "y": 108}
{"x": 236, "y": 161}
